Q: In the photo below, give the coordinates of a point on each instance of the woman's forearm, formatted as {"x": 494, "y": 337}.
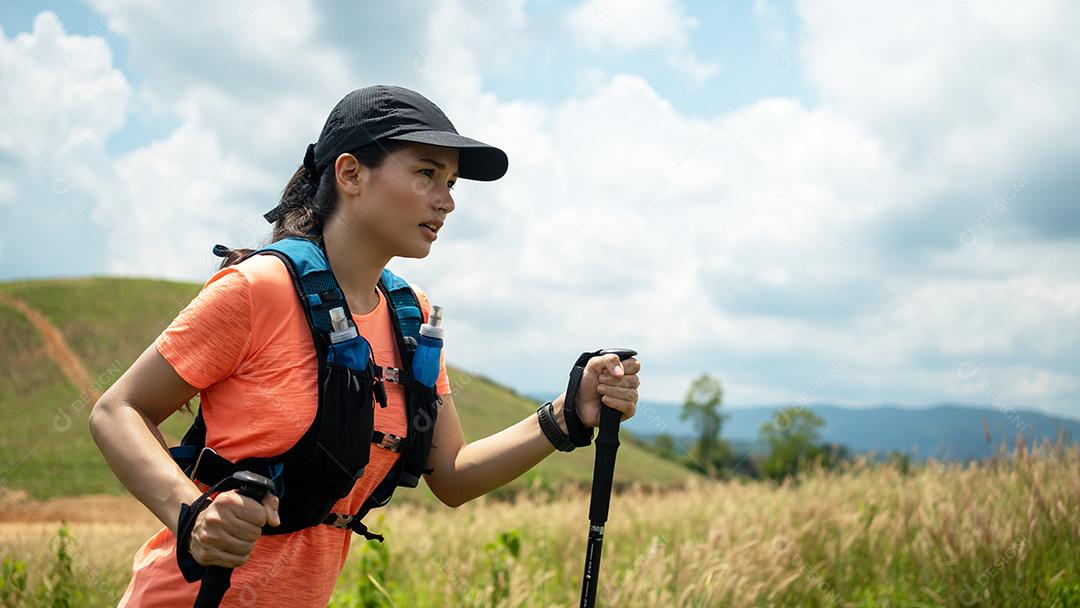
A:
{"x": 494, "y": 461}
{"x": 136, "y": 452}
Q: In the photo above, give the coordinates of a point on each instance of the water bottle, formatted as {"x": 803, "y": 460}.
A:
{"x": 425, "y": 364}
{"x": 344, "y": 348}
{"x": 343, "y": 329}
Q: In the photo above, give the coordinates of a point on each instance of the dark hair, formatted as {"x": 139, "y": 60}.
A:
{"x": 308, "y": 202}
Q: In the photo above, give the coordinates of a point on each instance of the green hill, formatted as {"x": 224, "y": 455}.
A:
{"x": 46, "y": 449}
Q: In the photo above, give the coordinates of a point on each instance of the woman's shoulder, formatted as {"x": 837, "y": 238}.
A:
{"x": 269, "y": 284}
{"x": 265, "y": 271}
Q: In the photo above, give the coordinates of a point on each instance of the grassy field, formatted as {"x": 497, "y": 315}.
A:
{"x": 1000, "y": 533}
{"x": 1003, "y": 533}
{"x": 44, "y": 444}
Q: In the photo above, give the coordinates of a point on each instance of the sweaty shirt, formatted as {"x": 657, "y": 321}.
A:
{"x": 245, "y": 344}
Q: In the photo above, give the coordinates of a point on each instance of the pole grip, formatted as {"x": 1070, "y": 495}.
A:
{"x": 217, "y": 579}
{"x": 607, "y": 447}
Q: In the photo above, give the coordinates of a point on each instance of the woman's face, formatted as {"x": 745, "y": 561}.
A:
{"x": 410, "y": 188}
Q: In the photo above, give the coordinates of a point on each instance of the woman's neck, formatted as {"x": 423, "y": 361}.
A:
{"x": 356, "y": 268}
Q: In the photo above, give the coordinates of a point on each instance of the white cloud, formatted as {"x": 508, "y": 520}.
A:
{"x": 61, "y": 93}
{"x": 172, "y": 200}
{"x": 61, "y": 99}
{"x": 244, "y": 48}
{"x": 629, "y": 25}
{"x": 243, "y": 124}
{"x": 656, "y": 27}
{"x": 766, "y": 245}
{"x": 973, "y": 86}
{"x": 643, "y": 214}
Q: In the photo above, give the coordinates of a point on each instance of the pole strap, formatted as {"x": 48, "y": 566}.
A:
{"x": 580, "y": 435}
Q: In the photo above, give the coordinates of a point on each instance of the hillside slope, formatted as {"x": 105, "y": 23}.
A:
{"x": 46, "y": 450}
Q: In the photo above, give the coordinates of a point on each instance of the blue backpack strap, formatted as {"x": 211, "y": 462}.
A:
{"x": 405, "y": 303}
{"x": 319, "y": 292}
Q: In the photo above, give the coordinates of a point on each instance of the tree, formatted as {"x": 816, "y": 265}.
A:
{"x": 702, "y": 407}
{"x": 793, "y": 437}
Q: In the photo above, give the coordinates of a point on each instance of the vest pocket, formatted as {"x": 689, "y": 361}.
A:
{"x": 343, "y": 442}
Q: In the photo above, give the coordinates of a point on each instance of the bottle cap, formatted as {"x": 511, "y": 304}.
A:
{"x": 337, "y": 314}
{"x": 342, "y": 328}
{"x": 433, "y": 327}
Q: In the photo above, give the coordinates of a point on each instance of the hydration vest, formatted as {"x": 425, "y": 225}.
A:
{"x": 322, "y": 466}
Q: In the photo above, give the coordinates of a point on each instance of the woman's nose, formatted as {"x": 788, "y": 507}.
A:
{"x": 445, "y": 202}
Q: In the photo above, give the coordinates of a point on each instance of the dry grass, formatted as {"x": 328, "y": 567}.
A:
{"x": 1000, "y": 533}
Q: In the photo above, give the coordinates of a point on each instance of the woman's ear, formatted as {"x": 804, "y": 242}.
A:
{"x": 352, "y": 176}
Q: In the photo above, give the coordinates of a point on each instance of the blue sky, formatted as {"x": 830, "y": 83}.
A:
{"x": 849, "y": 202}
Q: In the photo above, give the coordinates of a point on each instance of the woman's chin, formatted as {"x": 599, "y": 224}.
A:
{"x": 419, "y": 253}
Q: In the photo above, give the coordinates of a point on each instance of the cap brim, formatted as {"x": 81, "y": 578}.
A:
{"x": 476, "y": 160}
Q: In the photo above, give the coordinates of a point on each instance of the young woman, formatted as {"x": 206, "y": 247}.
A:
{"x": 376, "y": 185}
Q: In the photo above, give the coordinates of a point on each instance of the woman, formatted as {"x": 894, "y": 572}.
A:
{"x": 376, "y": 185}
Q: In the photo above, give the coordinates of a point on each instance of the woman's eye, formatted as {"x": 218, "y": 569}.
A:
{"x": 431, "y": 175}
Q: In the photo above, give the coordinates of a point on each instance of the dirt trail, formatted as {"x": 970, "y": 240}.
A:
{"x": 16, "y": 506}
{"x": 57, "y": 348}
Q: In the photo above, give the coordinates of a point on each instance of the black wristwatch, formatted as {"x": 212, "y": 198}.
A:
{"x": 561, "y": 441}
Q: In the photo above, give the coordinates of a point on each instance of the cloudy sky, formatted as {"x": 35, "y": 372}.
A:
{"x": 820, "y": 201}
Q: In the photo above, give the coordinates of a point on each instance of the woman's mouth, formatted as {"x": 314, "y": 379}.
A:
{"x": 429, "y": 231}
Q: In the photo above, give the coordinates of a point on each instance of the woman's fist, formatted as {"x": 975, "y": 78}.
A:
{"x": 225, "y": 532}
{"x": 608, "y": 381}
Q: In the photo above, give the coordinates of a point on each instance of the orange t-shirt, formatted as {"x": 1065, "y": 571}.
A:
{"x": 245, "y": 343}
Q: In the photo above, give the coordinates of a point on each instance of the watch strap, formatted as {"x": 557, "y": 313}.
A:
{"x": 548, "y": 424}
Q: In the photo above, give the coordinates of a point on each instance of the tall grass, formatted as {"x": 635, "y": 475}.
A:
{"x": 1000, "y": 533}
{"x": 1005, "y": 532}
{"x": 60, "y": 581}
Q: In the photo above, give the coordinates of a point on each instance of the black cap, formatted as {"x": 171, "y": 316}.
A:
{"x": 386, "y": 112}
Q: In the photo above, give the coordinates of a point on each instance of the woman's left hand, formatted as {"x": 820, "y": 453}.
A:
{"x": 611, "y": 382}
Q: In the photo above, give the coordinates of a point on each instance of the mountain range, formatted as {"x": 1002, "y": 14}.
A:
{"x": 946, "y": 432}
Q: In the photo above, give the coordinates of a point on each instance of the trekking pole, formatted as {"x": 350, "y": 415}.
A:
{"x": 607, "y": 444}
{"x": 216, "y": 580}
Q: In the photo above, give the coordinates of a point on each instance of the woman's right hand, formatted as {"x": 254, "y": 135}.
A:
{"x": 225, "y": 532}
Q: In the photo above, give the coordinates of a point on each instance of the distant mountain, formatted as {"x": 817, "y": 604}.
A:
{"x": 950, "y": 432}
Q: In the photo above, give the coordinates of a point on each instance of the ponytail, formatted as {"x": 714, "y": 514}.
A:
{"x": 306, "y": 203}
{"x": 309, "y": 199}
